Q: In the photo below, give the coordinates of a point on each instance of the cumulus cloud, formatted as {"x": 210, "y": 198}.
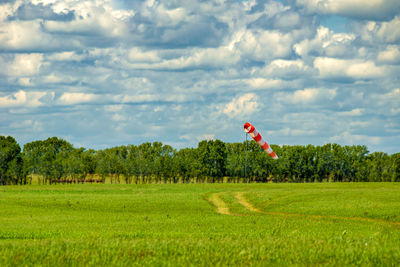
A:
{"x": 137, "y": 55}
{"x": 263, "y": 44}
{"x": 77, "y": 98}
{"x": 287, "y": 69}
{"x": 30, "y": 11}
{"x": 384, "y": 32}
{"x": 307, "y": 96}
{"x": 262, "y": 83}
{"x": 328, "y": 43}
{"x": 180, "y": 68}
{"x": 200, "y": 58}
{"x": 23, "y": 99}
{"x": 6, "y": 10}
{"x": 25, "y": 65}
{"x": 29, "y": 36}
{"x": 165, "y": 16}
{"x": 359, "y": 9}
{"x": 65, "y": 56}
{"x": 391, "y": 55}
{"x": 44, "y": 26}
{"x": 355, "y": 69}
{"x": 242, "y": 106}
{"x": 92, "y": 19}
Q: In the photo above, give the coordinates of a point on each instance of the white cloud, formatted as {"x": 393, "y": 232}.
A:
{"x": 307, "y": 96}
{"x": 17, "y": 99}
{"x": 371, "y": 9}
{"x": 22, "y": 65}
{"x": 390, "y": 55}
{"x": 163, "y": 15}
{"x": 22, "y": 99}
{"x": 180, "y": 67}
{"x": 326, "y": 42}
{"x": 5, "y": 11}
{"x": 262, "y": 83}
{"x": 77, "y": 98}
{"x": 137, "y": 98}
{"x": 26, "y": 35}
{"x": 286, "y": 68}
{"x": 384, "y": 32}
{"x": 356, "y": 69}
{"x": 390, "y": 31}
{"x": 289, "y": 20}
{"x": 65, "y": 56}
{"x": 198, "y": 58}
{"x": 51, "y": 79}
{"x": 25, "y": 81}
{"x": 137, "y": 55}
{"x": 353, "y": 112}
{"x": 264, "y": 45}
{"x": 92, "y": 18}
{"x": 349, "y": 138}
{"x": 241, "y": 106}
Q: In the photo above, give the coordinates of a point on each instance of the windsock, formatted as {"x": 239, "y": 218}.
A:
{"x": 249, "y": 128}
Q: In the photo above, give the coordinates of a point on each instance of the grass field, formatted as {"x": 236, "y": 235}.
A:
{"x": 201, "y": 224}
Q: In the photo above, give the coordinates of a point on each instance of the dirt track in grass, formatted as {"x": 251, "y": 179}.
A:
{"x": 219, "y": 204}
{"x": 222, "y": 208}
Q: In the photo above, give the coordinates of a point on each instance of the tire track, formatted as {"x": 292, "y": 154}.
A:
{"x": 219, "y": 204}
{"x": 245, "y": 203}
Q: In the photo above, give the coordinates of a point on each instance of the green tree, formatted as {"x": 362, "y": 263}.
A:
{"x": 48, "y": 158}
{"x": 11, "y": 165}
{"x": 236, "y": 160}
{"x": 379, "y": 167}
{"x": 395, "y": 167}
{"x": 89, "y": 162}
{"x": 212, "y": 155}
{"x": 187, "y": 164}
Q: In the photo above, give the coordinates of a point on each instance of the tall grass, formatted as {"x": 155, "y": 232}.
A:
{"x": 178, "y": 225}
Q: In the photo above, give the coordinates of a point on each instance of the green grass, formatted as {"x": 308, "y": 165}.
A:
{"x": 177, "y": 224}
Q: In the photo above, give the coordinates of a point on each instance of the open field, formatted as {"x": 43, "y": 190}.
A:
{"x": 201, "y": 224}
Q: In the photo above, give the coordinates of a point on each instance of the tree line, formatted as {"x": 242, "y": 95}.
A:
{"x": 55, "y": 160}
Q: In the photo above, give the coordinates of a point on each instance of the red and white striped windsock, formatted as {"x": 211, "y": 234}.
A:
{"x": 249, "y": 128}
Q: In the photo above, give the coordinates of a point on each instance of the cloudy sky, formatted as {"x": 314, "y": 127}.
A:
{"x": 105, "y": 73}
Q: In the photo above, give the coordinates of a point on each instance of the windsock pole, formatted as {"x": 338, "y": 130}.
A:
{"x": 250, "y": 129}
{"x": 245, "y": 158}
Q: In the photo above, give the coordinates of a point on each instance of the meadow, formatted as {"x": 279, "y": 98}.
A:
{"x": 200, "y": 224}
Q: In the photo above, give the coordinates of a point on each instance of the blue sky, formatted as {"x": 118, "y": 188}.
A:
{"x": 107, "y": 73}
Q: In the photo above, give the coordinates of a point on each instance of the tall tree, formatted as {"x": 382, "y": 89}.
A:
{"x": 212, "y": 155}
{"x": 11, "y": 168}
{"x": 395, "y": 167}
{"x": 48, "y": 158}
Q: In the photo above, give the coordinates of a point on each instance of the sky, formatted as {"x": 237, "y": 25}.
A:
{"x": 108, "y": 73}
